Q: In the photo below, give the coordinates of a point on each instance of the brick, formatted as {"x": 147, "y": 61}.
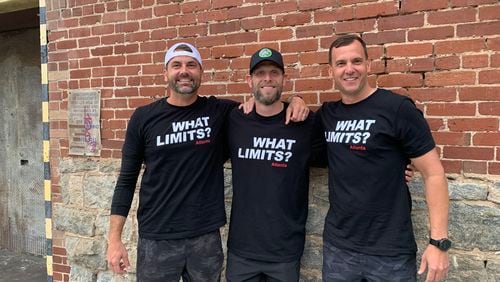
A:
{"x": 165, "y": 33}
{"x": 112, "y": 39}
{"x": 305, "y": 5}
{"x": 102, "y": 51}
{"x": 225, "y": 27}
{"x": 55, "y": 35}
{"x": 377, "y": 67}
{"x": 312, "y": 71}
{"x": 126, "y": 92}
{"x": 397, "y": 65}
{"x": 212, "y": 89}
{"x": 292, "y": 19}
{"x": 355, "y": 26}
{"x": 351, "y": 2}
{"x": 376, "y": 9}
{"x": 494, "y": 168}
{"x": 275, "y": 34}
{"x": 243, "y": 12}
{"x": 384, "y": 37}
{"x": 166, "y": 10}
{"x": 280, "y": 8}
{"x": 69, "y": 23}
{"x": 450, "y": 78}
{"x": 237, "y": 88}
{"x": 468, "y": 153}
{"x": 479, "y": 93}
{"x": 139, "y": 59}
{"x": 433, "y": 94}
{"x": 90, "y": 62}
{"x": 465, "y": 3}
{"x": 400, "y": 80}
{"x": 129, "y": 48}
{"x": 126, "y": 114}
{"x": 217, "y": 15}
{"x": 421, "y": 65}
{"x": 338, "y": 14}
{"x": 137, "y": 36}
{"x": 299, "y": 46}
{"x": 151, "y": 91}
{"x": 90, "y": 20}
{"x": 79, "y": 32}
{"x": 79, "y": 74}
{"x": 489, "y": 76}
{"x": 103, "y": 29}
{"x": 495, "y": 61}
{"x": 58, "y": 56}
{"x": 179, "y": 20}
{"x": 447, "y": 63}
{"x": 313, "y": 84}
{"x": 227, "y": 52}
{"x": 409, "y": 50}
{"x": 452, "y": 138}
{"x": 473, "y": 124}
{"x": 115, "y": 103}
{"x": 474, "y": 61}
{"x": 489, "y": 108}
{"x": 478, "y": 29}
{"x": 196, "y": 6}
{"x": 401, "y": 22}
{"x": 449, "y": 109}
{"x": 474, "y": 167}
{"x": 432, "y": 33}
{"x": 409, "y": 6}
{"x": 314, "y": 30}
{"x": 103, "y": 71}
{"x": 196, "y": 30}
{"x": 114, "y": 17}
{"x": 88, "y": 42}
{"x": 113, "y": 60}
{"x": 154, "y": 23}
{"x": 459, "y": 46}
{"x": 489, "y": 13}
{"x": 452, "y": 16}
{"x": 219, "y": 4}
{"x": 66, "y": 44}
{"x": 312, "y": 58}
{"x": 486, "y": 139}
{"x": 245, "y": 37}
{"x": 209, "y": 41}
{"x": 139, "y": 14}
{"x": 493, "y": 44}
{"x": 252, "y": 48}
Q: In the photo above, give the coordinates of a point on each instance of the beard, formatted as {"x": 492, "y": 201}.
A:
{"x": 184, "y": 89}
{"x": 267, "y": 99}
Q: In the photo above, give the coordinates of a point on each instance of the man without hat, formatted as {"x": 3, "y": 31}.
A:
{"x": 370, "y": 135}
{"x": 181, "y": 199}
{"x": 270, "y": 163}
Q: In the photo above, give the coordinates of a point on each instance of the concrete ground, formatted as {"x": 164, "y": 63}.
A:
{"x": 21, "y": 267}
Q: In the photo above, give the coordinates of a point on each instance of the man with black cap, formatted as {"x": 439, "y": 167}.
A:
{"x": 181, "y": 208}
{"x": 270, "y": 163}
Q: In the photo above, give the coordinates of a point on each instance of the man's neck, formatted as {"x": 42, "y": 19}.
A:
{"x": 181, "y": 100}
{"x": 269, "y": 110}
{"x": 355, "y": 98}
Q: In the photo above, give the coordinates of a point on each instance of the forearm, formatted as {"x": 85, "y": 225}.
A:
{"x": 436, "y": 194}
{"x": 116, "y": 223}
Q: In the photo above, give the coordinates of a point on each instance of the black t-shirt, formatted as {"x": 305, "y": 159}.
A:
{"x": 369, "y": 144}
{"x": 270, "y": 185}
{"x": 182, "y": 189}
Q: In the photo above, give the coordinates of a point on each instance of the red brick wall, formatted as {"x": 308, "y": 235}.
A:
{"x": 445, "y": 54}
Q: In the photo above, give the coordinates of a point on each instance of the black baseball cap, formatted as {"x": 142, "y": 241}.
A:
{"x": 266, "y": 54}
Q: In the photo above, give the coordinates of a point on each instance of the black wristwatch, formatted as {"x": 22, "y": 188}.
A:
{"x": 442, "y": 244}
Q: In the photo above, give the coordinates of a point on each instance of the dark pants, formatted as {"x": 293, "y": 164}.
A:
{"x": 241, "y": 269}
{"x": 194, "y": 259}
{"x": 343, "y": 265}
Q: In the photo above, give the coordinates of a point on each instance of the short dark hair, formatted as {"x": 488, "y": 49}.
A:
{"x": 345, "y": 40}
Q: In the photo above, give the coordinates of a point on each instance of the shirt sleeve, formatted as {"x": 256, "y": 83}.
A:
{"x": 412, "y": 130}
{"x": 318, "y": 143}
{"x": 132, "y": 158}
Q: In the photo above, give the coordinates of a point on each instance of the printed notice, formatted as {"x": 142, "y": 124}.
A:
{"x": 84, "y": 122}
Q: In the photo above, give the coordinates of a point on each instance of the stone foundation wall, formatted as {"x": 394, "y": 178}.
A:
{"x": 87, "y": 187}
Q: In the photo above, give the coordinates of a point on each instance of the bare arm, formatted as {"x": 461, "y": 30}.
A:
{"x": 117, "y": 253}
{"x": 436, "y": 195}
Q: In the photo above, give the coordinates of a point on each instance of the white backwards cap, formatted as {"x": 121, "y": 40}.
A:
{"x": 171, "y": 52}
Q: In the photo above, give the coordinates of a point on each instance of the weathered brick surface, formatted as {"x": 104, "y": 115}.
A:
{"x": 444, "y": 54}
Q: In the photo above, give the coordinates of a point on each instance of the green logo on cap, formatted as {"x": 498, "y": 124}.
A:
{"x": 265, "y": 53}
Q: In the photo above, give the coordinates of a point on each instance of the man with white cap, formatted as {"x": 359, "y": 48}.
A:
{"x": 181, "y": 208}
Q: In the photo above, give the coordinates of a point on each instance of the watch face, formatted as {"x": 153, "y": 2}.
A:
{"x": 445, "y": 244}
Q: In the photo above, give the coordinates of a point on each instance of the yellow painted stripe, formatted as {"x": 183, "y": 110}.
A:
{"x": 47, "y": 190}
{"x": 49, "y": 265}
{"x": 45, "y": 111}
{"x": 43, "y": 34}
{"x": 41, "y": 3}
{"x": 48, "y": 228}
{"x": 46, "y": 151}
{"x": 45, "y": 79}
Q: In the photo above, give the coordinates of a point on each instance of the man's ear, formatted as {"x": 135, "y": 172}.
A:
{"x": 330, "y": 70}
{"x": 248, "y": 78}
{"x": 165, "y": 75}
